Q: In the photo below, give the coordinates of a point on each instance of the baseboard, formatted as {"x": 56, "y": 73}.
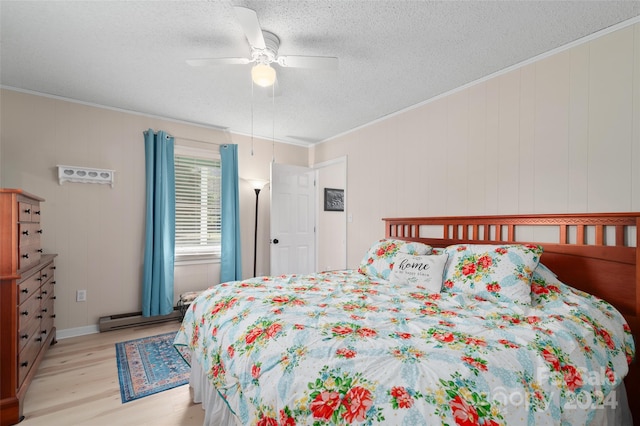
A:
{"x": 77, "y": 331}
{"x": 116, "y": 322}
{"x": 134, "y": 319}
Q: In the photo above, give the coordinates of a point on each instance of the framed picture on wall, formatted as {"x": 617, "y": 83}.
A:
{"x": 333, "y": 200}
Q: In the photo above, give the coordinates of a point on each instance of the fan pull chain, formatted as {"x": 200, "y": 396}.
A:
{"x": 273, "y": 124}
{"x": 252, "y": 117}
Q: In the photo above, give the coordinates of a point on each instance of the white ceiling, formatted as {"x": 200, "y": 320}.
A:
{"x": 392, "y": 55}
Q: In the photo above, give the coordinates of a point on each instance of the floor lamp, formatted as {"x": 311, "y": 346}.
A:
{"x": 257, "y": 186}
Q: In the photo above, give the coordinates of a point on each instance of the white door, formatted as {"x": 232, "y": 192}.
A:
{"x": 292, "y": 219}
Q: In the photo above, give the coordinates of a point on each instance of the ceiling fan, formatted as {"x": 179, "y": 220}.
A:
{"x": 264, "y": 52}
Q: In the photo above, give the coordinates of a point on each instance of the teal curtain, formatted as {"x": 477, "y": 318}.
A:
{"x": 231, "y": 255}
{"x": 159, "y": 256}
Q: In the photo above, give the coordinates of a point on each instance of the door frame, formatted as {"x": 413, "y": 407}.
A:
{"x": 319, "y": 203}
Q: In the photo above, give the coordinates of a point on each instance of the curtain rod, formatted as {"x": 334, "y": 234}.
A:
{"x": 199, "y": 141}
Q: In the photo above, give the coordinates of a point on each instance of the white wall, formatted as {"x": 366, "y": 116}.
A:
{"x": 331, "y": 230}
{"x": 98, "y": 232}
{"x": 561, "y": 134}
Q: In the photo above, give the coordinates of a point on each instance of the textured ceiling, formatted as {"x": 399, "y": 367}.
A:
{"x": 392, "y": 55}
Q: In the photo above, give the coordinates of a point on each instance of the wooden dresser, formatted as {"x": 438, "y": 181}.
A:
{"x": 27, "y": 281}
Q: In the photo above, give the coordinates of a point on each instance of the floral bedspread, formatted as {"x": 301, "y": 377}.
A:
{"x": 343, "y": 348}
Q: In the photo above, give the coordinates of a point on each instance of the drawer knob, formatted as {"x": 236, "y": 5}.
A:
{"x": 39, "y": 317}
{"x": 25, "y": 336}
{"x": 25, "y": 290}
{"x": 53, "y": 316}
{"x": 25, "y": 232}
{"x": 39, "y": 339}
{"x": 53, "y": 297}
{"x": 25, "y": 313}
{"x": 39, "y": 231}
{"x": 39, "y": 297}
{"x": 53, "y": 282}
{"x": 25, "y": 256}
{"x": 27, "y": 211}
{"x": 40, "y": 251}
{"x": 38, "y": 212}
{"x": 43, "y": 332}
{"x": 39, "y": 279}
{"x": 53, "y": 267}
{"x": 44, "y": 291}
{"x": 44, "y": 275}
{"x": 24, "y": 364}
{"x": 44, "y": 310}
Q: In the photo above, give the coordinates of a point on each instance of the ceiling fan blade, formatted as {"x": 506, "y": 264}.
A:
{"x": 251, "y": 26}
{"x": 315, "y": 62}
{"x": 218, "y": 61}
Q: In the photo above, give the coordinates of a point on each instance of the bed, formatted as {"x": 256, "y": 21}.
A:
{"x": 448, "y": 320}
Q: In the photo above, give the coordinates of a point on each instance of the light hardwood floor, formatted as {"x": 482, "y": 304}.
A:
{"x": 77, "y": 384}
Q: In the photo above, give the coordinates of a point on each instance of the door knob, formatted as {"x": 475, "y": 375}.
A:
{"x": 275, "y": 241}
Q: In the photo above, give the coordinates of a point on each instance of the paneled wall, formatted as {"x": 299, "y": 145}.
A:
{"x": 331, "y": 228}
{"x": 98, "y": 231}
{"x": 561, "y": 134}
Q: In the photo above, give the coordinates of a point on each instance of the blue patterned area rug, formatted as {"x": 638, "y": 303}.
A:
{"x": 149, "y": 365}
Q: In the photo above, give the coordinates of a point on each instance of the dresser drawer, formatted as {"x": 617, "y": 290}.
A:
{"x": 49, "y": 269}
{"x": 29, "y": 311}
{"x": 47, "y": 274}
{"x": 48, "y": 316}
{"x": 29, "y": 234}
{"x": 28, "y": 355}
{"x": 28, "y": 286}
{"x": 26, "y": 334}
{"x": 25, "y": 211}
{"x": 47, "y": 291}
{"x": 28, "y": 212}
{"x": 29, "y": 255}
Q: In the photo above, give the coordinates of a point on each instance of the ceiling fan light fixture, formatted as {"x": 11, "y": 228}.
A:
{"x": 263, "y": 75}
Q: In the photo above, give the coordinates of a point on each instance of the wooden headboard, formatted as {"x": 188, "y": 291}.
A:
{"x": 594, "y": 252}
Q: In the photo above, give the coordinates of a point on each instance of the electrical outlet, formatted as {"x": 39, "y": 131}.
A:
{"x": 81, "y": 295}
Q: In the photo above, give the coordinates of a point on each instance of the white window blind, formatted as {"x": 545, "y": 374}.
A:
{"x": 197, "y": 205}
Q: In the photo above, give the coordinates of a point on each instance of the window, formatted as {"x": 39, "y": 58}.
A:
{"x": 197, "y": 204}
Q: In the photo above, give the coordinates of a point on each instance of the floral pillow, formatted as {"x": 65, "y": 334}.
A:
{"x": 493, "y": 272}
{"x": 545, "y": 286}
{"x": 422, "y": 272}
{"x": 378, "y": 260}
{"x": 414, "y": 248}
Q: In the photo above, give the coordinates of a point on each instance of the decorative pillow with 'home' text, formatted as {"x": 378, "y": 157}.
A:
{"x": 378, "y": 260}
{"x": 422, "y": 272}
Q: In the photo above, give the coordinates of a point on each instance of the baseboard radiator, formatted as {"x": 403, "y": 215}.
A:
{"x": 135, "y": 319}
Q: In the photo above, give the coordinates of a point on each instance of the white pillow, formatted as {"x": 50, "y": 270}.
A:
{"x": 378, "y": 260}
{"x": 422, "y": 272}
